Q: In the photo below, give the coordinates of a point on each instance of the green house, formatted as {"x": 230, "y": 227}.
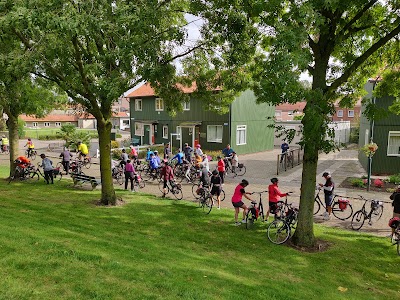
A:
{"x": 244, "y": 127}
{"x": 385, "y": 133}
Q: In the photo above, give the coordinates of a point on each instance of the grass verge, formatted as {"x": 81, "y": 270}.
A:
{"x": 56, "y": 244}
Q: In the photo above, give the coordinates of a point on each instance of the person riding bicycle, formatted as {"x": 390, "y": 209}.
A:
{"x": 205, "y": 162}
{"x": 237, "y": 200}
{"x": 204, "y": 178}
{"x": 22, "y": 162}
{"x": 158, "y": 158}
{"x": 5, "y": 143}
{"x": 274, "y": 195}
{"x": 328, "y": 187}
{"x": 82, "y": 150}
{"x": 198, "y": 150}
{"x": 284, "y": 148}
{"x": 216, "y": 186}
{"x": 227, "y": 152}
{"x": 30, "y": 146}
{"x": 133, "y": 154}
{"x": 179, "y": 157}
{"x": 153, "y": 163}
{"x": 187, "y": 150}
{"x": 168, "y": 176}
{"x": 396, "y": 204}
{"x": 148, "y": 154}
{"x": 167, "y": 151}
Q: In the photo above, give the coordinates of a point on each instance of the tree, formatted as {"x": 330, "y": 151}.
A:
{"x": 340, "y": 44}
{"x": 97, "y": 50}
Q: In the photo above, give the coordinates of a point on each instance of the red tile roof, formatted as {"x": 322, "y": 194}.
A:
{"x": 51, "y": 118}
{"x": 299, "y": 106}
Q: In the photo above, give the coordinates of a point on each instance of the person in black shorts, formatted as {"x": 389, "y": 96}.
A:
{"x": 216, "y": 186}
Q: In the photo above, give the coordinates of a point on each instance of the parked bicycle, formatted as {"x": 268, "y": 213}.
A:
{"x": 280, "y": 230}
{"x": 255, "y": 211}
{"x": 173, "y": 187}
{"x": 240, "y": 170}
{"x": 31, "y": 154}
{"x": 375, "y": 213}
{"x": 341, "y": 207}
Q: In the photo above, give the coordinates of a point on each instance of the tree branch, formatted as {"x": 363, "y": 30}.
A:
{"x": 361, "y": 59}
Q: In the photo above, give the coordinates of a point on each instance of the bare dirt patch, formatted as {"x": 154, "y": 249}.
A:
{"x": 320, "y": 246}
{"x": 119, "y": 202}
{"x": 387, "y": 187}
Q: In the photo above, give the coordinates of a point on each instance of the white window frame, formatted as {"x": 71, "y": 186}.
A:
{"x": 216, "y": 140}
{"x": 241, "y": 128}
{"x": 340, "y": 113}
{"x": 186, "y": 105}
{"x": 392, "y": 133}
{"x": 165, "y": 132}
{"x": 58, "y": 124}
{"x": 138, "y": 107}
{"x": 179, "y": 132}
{"x": 350, "y": 115}
{"x": 139, "y": 129}
{"x": 34, "y": 124}
{"x": 46, "y": 124}
{"x": 159, "y": 103}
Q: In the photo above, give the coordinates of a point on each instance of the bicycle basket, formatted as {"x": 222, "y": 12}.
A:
{"x": 343, "y": 203}
{"x": 394, "y": 222}
{"x": 240, "y": 165}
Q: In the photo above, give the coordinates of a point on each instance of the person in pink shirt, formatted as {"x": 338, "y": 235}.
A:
{"x": 221, "y": 168}
{"x": 274, "y": 195}
{"x": 129, "y": 174}
{"x": 237, "y": 200}
{"x": 133, "y": 154}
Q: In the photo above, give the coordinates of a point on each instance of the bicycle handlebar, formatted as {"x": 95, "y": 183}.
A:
{"x": 252, "y": 193}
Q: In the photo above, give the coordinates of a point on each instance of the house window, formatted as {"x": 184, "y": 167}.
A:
{"x": 58, "y": 124}
{"x": 139, "y": 129}
{"x": 46, "y": 124}
{"x": 138, "y": 104}
{"x": 186, "y": 105}
{"x": 159, "y": 104}
{"x": 125, "y": 122}
{"x": 214, "y": 133}
{"x": 350, "y": 113}
{"x": 241, "y": 134}
{"x": 179, "y": 132}
{"x": 393, "y": 148}
{"x": 165, "y": 132}
{"x": 34, "y": 124}
{"x": 340, "y": 113}
{"x": 290, "y": 113}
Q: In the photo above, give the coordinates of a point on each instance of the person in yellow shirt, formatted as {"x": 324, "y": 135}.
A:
{"x": 30, "y": 146}
{"x": 5, "y": 143}
{"x": 82, "y": 150}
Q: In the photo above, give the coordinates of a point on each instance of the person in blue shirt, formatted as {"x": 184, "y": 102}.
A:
{"x": 153, "y": 162}
{"x": 178, "y": 157}
{"x": 157, "y": 158}
{"x": 284, "y": 148}
{"x": 227, "y": 152}
{"x": 149, "y": 152}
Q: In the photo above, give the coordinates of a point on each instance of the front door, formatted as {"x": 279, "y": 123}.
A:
{"x": 147, "y": 135}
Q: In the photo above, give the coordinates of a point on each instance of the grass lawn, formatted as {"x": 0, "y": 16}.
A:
{"x": 56, "y": 244}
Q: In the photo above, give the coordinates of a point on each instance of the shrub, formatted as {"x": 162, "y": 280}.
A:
{"x": 114, "y": 144}
{"x": 357, "y": 182}
{"x": 394, "y": 178}
{"x": 378, "y": 183}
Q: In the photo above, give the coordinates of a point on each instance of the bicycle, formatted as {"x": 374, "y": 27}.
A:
{"x": 197, "y": 192}
{"x": 174, "y": 188}
{"x": 280, "y": 230}
{"x": 31, "y": 155}
{"x": 118, "y": 175}
{"x": 240, "y": 170}
{"x": 4, "y": 149}
{"x": 38, "y": 173}
{"x": 206, "y": 200}
{"x": 138, "y": 181}
{"x": 255, "y": 211}
{"x": 76, "y": 167}
{"x": 341, "y": 207}
{"x": 395, "y": 238}
{"x": 361, "y": 215}
{"x": 26, "y": 173}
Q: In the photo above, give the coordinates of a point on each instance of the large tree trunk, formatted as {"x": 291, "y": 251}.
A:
{"x": 12, "y": 124}
{"x": 107, "y": 188}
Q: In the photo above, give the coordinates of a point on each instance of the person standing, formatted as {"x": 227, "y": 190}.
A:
{"x": 228, "y": 151}
{"x": 66, "y": 159}
{"x": 221, "y": 168}
{"x": 234, "y": 162}
{"x": 328, "y": 187}
{"x": 187, "y": 150}
{"x": 168, "y": 176}
{"x": 216, "y": 187}
{"x": 124, "y": 158}
{"x": 167, "y": 151}
{"x": 237, "y": 200}
{"x": 47, "y": 165}
{"x": 129, "y": 174}
{"x": 284, "y": 149}
{"x": 205, "y": 163}
{"x": 274, "y": 195}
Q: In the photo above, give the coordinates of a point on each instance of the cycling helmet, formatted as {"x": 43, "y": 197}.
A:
{"x": 155, "y": 151}
{"x": 326, "y": 174}
{"x": 274, "y": 180}
{"x": 215, "y": 172}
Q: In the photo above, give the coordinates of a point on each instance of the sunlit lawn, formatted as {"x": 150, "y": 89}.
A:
{"x": 55, "y": 243}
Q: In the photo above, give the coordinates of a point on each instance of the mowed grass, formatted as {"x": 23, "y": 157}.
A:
{"x": 55, "y": 243}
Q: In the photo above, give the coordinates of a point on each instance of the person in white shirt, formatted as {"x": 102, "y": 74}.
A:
{"x": 205, "y": 163}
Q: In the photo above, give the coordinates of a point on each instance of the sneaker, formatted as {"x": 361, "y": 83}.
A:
{"x": 244, "y": 221}
{"x": 218, "y": 207}
{"x": 238, "y": 224}
{"x": 325, "y": 214}
{"x": 132, "y": 191}
{"x": 327, "y": 217}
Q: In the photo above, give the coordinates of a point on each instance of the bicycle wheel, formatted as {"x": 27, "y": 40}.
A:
{"x": 222, "y": 195}
{"x": 208, "y": 204}
{"x": 250, "y": 218}
{"x": 161, "y": 187}
{"x": 342, "y": 214}
{"x": 33, "y": 176}
{"x": 177, "y": 192}
{"x": 358, "y": 220}
{"x": 376, "y": 214}
{"x": 58, "y": 175}
{"x": 87, "y": 163}
{"x": 278, "y": 232}
{"x": 317, "y": 206}
{"x": 33, "y": 155}
{"x": 195, "y": 187}
{"x": 240, "y": 171}
{"x": 119, "y": 178}
{"x": 60, "y": 166}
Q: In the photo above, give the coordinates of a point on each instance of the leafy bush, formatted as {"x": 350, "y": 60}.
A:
{"x": 357, "y": 182}
{"x": 21, "y": 128}
{"x": 114, "y": 144}
{"x": 378, "y": 183}
{"x": 394, "y": 178}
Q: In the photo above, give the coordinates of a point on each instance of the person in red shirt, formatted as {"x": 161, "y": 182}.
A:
{"x": 22, "y": 161}
{"x": 237, "y": 200}
{"x": 221, "y": 168}
{"x": 274, "y": 195}
{"x": 168, "y": 175}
